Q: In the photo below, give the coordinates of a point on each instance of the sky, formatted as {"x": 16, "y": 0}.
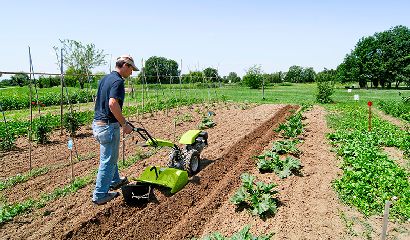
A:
{"x": 230, "y": 36}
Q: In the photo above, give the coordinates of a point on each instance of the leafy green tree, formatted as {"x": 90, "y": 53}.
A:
{"x": 20, "y": 79}
{"x": 160, "y": 70}
{"x": 294, "y": 74}
{"x": 71, "y": 77}
{"x": 348, "y": 71}
{"x": 253, "y": 77}
{"x": 211, "y": 74}
{"x": 232, "y": 78}
{"x": 6, "y": 83}
{"x": 308, "y": 75}
{"x": 48, "y": 81}
{"x": 193, "y": 77}
{"x": 277, "y": 77}
{"x": 297, "y": 74}
{"x": 80, "y": 58}
{"x": 380, "y": 59}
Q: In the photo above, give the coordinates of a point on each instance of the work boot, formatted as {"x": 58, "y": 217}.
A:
{"x": 110, "y": 196}
{"x": 122, "y": 182}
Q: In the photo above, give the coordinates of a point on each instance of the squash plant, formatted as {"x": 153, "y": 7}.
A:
{"x": 293, "y": 127}
{"x": 243, "y": 234}
{"x": 258, "y": 197}
{"x": 271, "y": 162}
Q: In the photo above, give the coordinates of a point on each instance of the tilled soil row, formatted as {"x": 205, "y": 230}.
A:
{"x": 184, "y": 214}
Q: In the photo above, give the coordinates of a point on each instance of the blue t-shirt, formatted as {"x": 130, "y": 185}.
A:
{"x": 110, "y": 86}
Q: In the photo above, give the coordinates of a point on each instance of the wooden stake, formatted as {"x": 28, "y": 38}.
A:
{"x": 71, "y": 163}
{"x": 70, "y": 147}
{"x": 31, "y": 116}
{"x": 29, "y": 146}
{"x": 370, "y": 115}
{"x": 385, "y": 219}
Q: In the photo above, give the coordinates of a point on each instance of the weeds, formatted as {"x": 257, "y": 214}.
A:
{"x": 186, "y": 117}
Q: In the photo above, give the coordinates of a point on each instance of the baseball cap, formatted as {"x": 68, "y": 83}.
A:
{"x": 128, "y": 59}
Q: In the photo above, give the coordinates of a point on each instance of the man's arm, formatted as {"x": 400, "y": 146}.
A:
{"x": 116, "y": 111}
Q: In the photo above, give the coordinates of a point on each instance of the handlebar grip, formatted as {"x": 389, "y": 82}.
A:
{"x": 132, "y": 126}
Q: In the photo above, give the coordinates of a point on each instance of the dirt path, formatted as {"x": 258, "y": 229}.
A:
{"x": 398, "y": 122}
{"x": 309, "y": 206}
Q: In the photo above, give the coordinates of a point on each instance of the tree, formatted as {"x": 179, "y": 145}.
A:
{"x": 277, "y": 77}
{"x": 20, "y": 79}
{"x": 294, "y": 74}
{"x": 253, "y": 77}
{"x": 193, "y": 77}
{"x": 80, "y": 58}
{"x": 49, "y": 81}
{"x": 308, "y": 75}
{"x": 160, "y": 70}
{"x": 381, "y": 59}
{"x": 348, "y": 70}
{"x": 211, "y": 74}
{"x": 232, "y": 78}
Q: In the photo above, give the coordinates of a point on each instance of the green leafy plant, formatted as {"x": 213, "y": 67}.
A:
{"x": 7, "y": 141}
{"x": 71, "y": 123}
{"x": 41, "y": 129}
{"x": 253, "y": 77}
{"x": 186, "y": 117}
{"x": 206, "y": 122}
{"x": 243, "y": 234}
{"x": 271, "y": 162}
{"x": 293, "y": 127}
{"x": 257, "y": 197}
{"x": 20, "y": 178}
{"x": 325, "y": 87}
{"x": 286, "y": 146}
{"x": 369, "y": 176}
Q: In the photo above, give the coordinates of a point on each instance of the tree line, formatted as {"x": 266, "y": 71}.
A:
{"x": 379, "y": 60}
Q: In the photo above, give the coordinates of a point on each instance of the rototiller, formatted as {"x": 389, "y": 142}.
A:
{"x": 183, "y": 162}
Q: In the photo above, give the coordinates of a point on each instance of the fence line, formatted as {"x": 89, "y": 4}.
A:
{"x": 85, "y": 75}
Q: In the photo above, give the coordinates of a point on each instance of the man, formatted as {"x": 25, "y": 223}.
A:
{"x": 108, "y": 119}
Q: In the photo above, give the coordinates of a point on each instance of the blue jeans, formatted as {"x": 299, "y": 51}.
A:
{"x": 108, "y": 136}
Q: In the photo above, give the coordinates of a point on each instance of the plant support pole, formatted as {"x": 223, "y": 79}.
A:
{"x": 31, "y": 117}
{"x": 62, "y": 92}
{"x": 370, "y": 115}
{"x": 385, "y": 219}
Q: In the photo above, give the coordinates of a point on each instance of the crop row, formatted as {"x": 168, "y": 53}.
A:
{"x": 370, "y": 177}
{"x": 48, "y": 122}
{"x": 260, "y": 197}
{"x": 22, "y": 101}
{"x": 400, "y": 109}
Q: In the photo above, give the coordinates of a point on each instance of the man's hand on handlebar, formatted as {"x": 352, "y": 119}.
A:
{"x": 127, "y": 128}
